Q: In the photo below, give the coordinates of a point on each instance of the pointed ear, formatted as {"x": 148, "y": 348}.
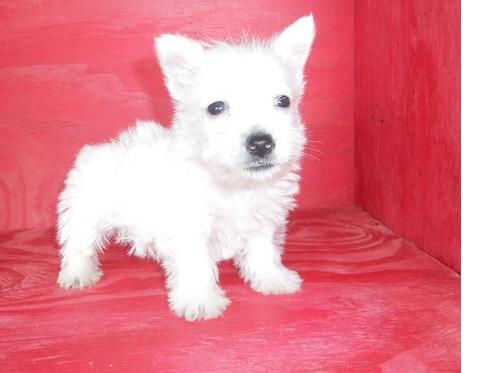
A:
{"x": 179, "y": 58}
{"x": 293, "y": 45}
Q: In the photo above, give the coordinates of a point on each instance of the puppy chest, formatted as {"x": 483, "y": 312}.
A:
{"x": 229, "y": 229}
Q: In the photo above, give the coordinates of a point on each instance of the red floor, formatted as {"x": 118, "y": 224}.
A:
{"x": 371, "y": 302}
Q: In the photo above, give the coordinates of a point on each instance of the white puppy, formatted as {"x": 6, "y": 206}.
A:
{"x": 218, "y": 185}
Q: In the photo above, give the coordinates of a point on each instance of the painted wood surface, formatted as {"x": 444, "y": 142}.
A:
{"x": 77, "y": 72}
{"x": 407, "y": 119}
{"x": 371, "y": 302}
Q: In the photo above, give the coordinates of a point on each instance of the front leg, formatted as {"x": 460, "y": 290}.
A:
{"x": 260, "y": 265}
{"x": 192, "y": 280}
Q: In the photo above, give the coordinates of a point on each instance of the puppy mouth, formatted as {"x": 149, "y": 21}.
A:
{"x": 260, "y": 166}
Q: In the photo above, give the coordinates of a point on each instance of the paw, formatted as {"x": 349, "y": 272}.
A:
{"x": 202, "y": 307}
{"x": 78, "y": 279}
{"x": 278, "y": 281}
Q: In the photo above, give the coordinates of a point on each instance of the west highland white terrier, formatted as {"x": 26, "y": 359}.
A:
{"x": 218, "y": 184}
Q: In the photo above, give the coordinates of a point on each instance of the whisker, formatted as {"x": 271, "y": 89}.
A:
{"x": 316, "y": 141}
{"x": 320, "y": 152}
{"x": 310, "y": 156}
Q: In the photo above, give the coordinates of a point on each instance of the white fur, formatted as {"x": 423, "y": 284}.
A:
{"x": 184, "y": 195}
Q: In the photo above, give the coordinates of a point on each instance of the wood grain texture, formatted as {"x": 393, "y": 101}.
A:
{"x": 371, "y": 302}
{"x": 77, "y": 72}
{"x": 407, "y": 119}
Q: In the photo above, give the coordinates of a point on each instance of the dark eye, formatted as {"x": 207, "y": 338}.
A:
{"x": 217, "y": 107}
{"x": 282, "y": 101}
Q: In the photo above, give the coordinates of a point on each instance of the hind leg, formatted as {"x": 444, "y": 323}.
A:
{"x": 79, "y": 261}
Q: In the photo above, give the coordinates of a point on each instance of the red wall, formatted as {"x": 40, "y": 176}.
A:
{"x": 407, "y": 119}
{"x": 78, "y": 72}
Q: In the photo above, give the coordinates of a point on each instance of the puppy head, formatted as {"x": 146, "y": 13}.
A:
{"x": 239, "y": 103}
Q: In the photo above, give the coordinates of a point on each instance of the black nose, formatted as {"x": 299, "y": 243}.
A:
{"x": 260, "y": 144}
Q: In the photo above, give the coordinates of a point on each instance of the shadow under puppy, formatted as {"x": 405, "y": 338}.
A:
{"x": 218, "y": 184}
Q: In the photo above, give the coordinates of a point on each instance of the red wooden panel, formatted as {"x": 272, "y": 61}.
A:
{"x": 78, "y": 72}
{"x": 407, "y": 119}
{"x": 371, "y": 302}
